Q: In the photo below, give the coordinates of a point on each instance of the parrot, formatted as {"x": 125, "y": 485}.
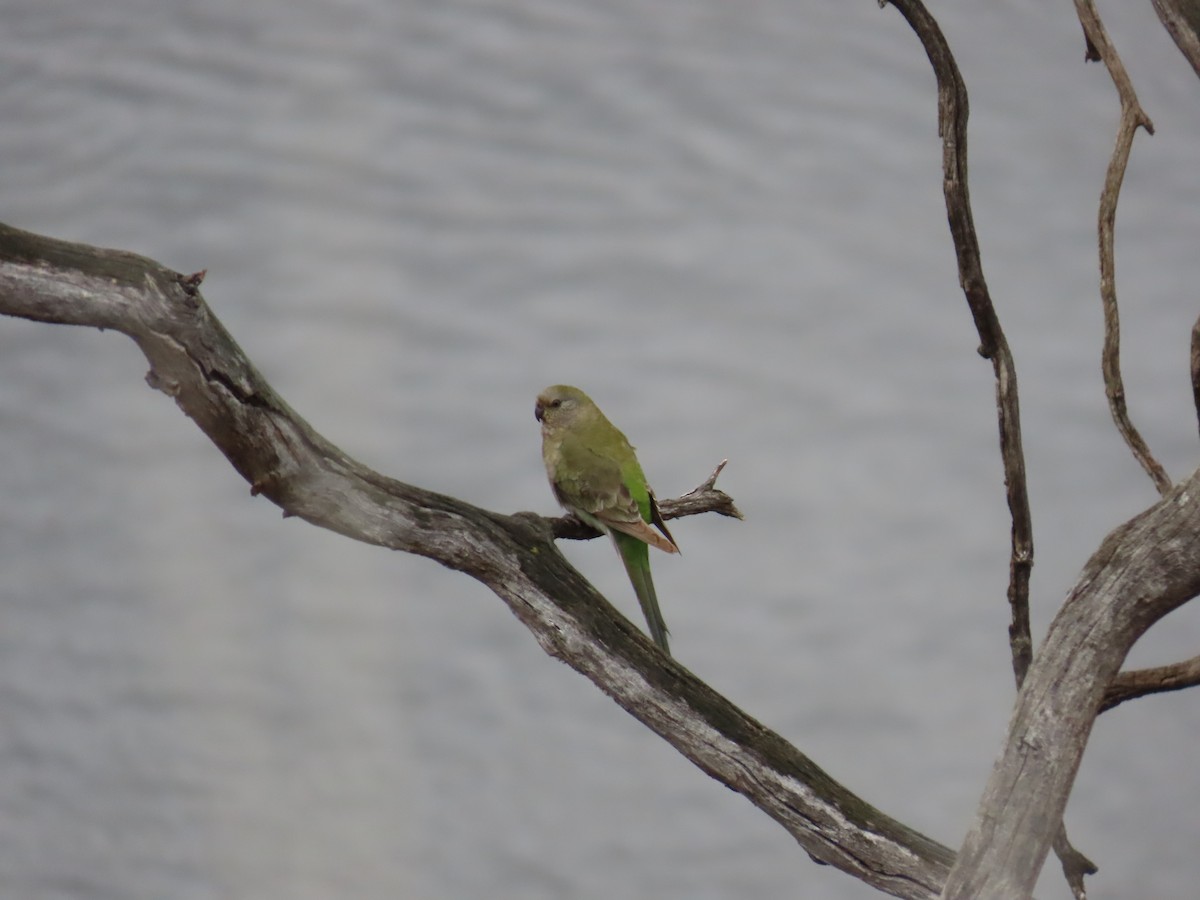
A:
{"x": 594, "y": 474}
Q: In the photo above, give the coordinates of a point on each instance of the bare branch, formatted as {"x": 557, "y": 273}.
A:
{"x": 953, "y": 109}
{"x": 711, "y": 481}
{"x": 1160, "y": 679}
{"x": 1181, "y": 18}
{"x": 1075, "y": 866}
{"x": 1144, "y": 569}
{"x": 1132, "y": 118}
{"x": 195, "y": 361}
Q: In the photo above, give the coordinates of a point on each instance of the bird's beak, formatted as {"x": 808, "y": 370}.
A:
{"x": 538, "y": 410}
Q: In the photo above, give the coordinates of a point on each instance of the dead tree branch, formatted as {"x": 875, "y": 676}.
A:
{"x": 1181, "y": 18}
{"x": 196, "y": 362}
{"x": 953, "y": 110}
{"x": 1132, "y": 118}
{"x": 1144, "y": 569}
{"x": 1158, "y": 680}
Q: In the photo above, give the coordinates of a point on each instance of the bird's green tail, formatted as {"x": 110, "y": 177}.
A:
{"x": 635, "y": 555}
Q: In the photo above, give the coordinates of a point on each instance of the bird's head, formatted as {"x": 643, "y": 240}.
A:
{"x": 559, "y": 405}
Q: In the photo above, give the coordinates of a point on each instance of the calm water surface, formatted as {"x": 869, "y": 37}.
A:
{"x": 725, "y": 222}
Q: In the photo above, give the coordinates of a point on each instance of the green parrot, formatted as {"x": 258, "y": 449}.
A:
{"x": 595, "y": 474}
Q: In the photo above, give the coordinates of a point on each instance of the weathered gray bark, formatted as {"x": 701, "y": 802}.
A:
{"x": 195, "y": 361}
{"x": 1181, "y": 18}
{"x": 1143, "y": 570}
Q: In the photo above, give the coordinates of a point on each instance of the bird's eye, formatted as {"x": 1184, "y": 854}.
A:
{"x": 554, "y": 404}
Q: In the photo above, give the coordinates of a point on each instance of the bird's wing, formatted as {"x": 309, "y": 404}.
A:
{"x": 594, "y": 483}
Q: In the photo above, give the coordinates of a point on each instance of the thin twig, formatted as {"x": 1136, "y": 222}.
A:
{"x": 1160, "y": 679}
{"x": 196, "y": 361}
{"x": 711, "y": 481}
{"x": 953, "y": 110}
{"x": 1132, "y": 118}
{"x": 952, "y": 126}
{"x": 1075, "y": 866}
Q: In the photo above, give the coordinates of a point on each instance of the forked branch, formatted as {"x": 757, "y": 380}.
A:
{"x": 952, "y": 123}
{"x": 1133, "y": 117}
{"x": 953, "y": 109}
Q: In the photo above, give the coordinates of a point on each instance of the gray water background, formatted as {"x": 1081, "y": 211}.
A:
{"x": 725, "y": 222}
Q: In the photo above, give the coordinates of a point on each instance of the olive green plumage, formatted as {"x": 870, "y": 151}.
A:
{"x": 595, "y": 474}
